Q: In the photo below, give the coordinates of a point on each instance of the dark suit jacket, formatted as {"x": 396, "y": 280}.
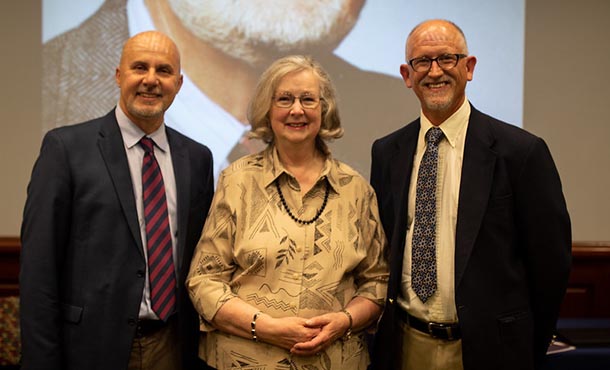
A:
{"x": 82, "y": 262}
{"x": 512, "y": 247}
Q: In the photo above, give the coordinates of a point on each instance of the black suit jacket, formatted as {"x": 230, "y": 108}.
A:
{"x": 82, "y": 262}
{"x": 512, "y": 247}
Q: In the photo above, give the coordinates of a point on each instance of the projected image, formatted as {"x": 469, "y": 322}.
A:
{"x": 225, "y": 46}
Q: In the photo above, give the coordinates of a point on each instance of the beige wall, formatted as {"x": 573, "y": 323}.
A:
{"x": 567, "y": 102}
{"x": 20, "y": 32}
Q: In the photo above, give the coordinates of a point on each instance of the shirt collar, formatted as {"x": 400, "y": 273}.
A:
{"x": 132, "y": 133}
{"x": 273, "y": 168}
{"x": 453, "y": 126}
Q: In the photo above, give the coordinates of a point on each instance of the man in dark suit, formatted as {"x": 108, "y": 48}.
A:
{"x": 480, "y": 252}
{"x": 89, "y": 229}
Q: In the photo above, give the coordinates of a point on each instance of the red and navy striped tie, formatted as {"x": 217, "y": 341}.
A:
{"x": 159, "y": 241}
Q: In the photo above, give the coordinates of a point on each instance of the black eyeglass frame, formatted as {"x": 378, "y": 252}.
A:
{"x": 431, "y": 60}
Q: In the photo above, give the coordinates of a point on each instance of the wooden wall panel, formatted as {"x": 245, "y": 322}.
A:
{"x": 588, "y": 292}
{"x": 9, "y": 266}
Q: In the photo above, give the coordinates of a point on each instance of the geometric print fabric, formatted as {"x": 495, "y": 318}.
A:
{"x": 423, "y": 249}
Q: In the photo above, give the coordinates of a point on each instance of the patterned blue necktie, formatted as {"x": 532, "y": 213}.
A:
{"x": 423, "y": 248}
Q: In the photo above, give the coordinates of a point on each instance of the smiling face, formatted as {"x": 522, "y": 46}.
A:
{"x": 440, "y": 92}
{"x": 296, "y": 127}
{"x": 149, "y": 78}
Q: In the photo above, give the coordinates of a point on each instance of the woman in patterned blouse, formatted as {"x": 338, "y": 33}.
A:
{"x": 289, "y": 271}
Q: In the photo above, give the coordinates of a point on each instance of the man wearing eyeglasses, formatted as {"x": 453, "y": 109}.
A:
{"x": 476, "y": 221}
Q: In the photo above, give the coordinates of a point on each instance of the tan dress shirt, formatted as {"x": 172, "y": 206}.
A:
{"x": 251, "y": 248}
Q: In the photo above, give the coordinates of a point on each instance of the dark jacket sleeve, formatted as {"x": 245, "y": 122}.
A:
{"x": 44, "y": 233}
{"x": 544, "y": 226}
{"x": 203, "y": 183}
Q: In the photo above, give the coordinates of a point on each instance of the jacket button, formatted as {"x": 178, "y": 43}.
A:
{"x": 140, "y": 273}
{"x": 131, "y": 322}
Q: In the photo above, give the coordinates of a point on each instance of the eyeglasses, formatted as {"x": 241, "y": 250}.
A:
{"x": 287, "y": 100}
{"x": 445, "y": 62}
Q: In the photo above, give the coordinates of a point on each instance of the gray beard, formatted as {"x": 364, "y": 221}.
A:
{"x": 258, "y": 34}
{"x": 439, "y": 106}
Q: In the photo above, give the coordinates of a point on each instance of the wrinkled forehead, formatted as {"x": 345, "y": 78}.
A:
{"x": 436, "y": 34}
{"x": 153, "y": 42}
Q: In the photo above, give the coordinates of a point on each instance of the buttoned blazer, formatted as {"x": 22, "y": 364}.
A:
{"x": 512, "y": 246}
{"x": 82, "y": 261}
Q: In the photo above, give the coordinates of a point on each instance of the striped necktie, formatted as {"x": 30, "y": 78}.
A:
{"x": 158, "y": 235}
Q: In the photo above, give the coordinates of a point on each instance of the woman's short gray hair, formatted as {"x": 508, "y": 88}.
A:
{"x": 260, "y": 105}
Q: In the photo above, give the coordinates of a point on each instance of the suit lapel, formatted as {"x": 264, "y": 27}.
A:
{"x": 477, "y": 177}
{"x": 401, "y": 162}
{"x": 112, "y": 149}
{"x": 182, "y": 174}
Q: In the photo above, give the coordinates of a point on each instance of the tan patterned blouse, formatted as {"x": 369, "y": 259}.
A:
{"x": 252, "y": 249}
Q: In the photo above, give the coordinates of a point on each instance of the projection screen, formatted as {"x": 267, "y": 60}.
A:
{"x": 361, "y": 44}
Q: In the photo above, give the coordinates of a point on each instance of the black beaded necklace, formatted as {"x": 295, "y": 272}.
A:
{"x": 296, "y": 219}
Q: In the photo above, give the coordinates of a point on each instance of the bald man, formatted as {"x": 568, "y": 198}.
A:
{"x": 477, "y": 224}
{"x": 88, "y": 298}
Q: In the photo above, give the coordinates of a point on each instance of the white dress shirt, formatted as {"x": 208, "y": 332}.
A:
{"x": 441, "y": 306}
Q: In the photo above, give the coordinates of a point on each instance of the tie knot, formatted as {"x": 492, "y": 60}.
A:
{"x": 434, "y": 136}
{"x": 147, "y": 144}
